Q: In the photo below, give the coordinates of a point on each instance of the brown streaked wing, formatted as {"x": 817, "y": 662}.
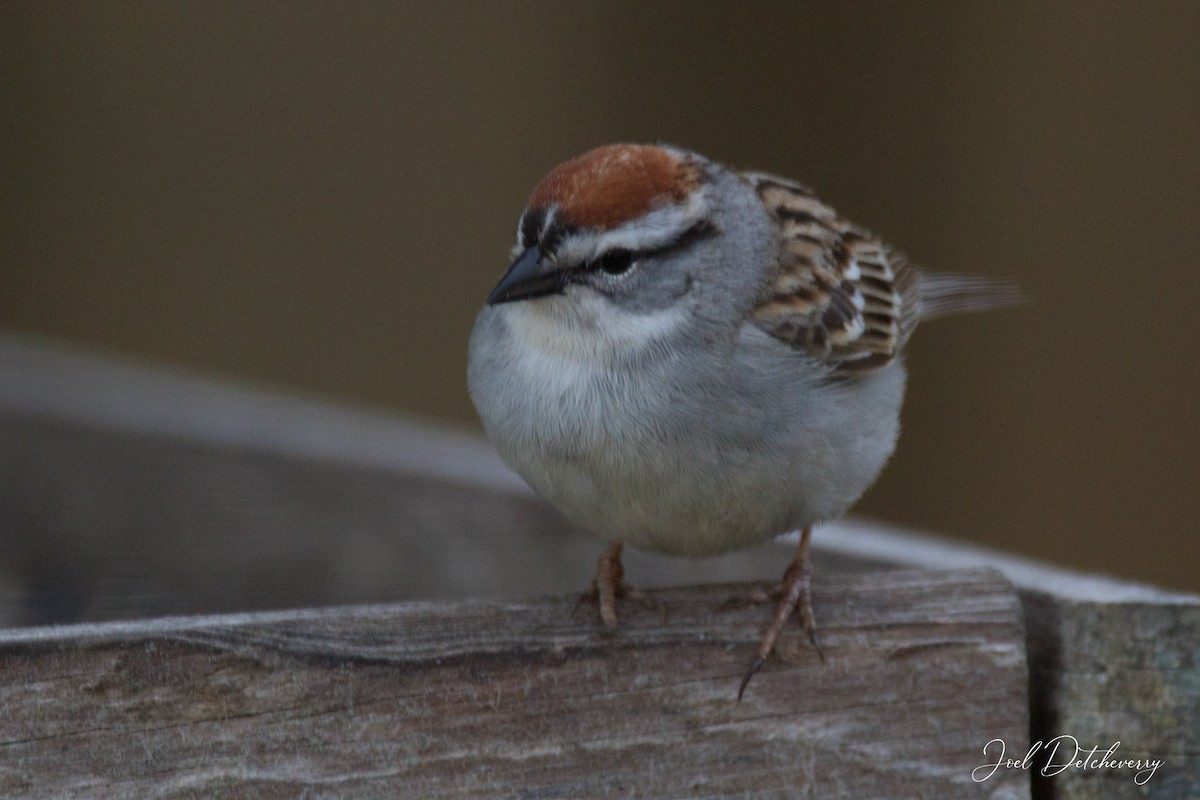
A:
{"x": 838, "y": 293}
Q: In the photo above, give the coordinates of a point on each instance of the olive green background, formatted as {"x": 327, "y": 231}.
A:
{"x": 318, "y": 196}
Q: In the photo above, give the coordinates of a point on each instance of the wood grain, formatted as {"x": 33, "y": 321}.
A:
{"x": 525, "y": 699}
{"x": 1124, "y": 671}
{"x": 1110, "y": 662}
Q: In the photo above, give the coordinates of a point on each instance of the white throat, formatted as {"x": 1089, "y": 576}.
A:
{"x": 584, "y": 327}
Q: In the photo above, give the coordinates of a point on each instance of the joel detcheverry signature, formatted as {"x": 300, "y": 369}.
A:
{"x": 1062, "y": 753}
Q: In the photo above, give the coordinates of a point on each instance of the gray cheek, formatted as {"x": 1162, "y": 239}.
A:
{"x": 654, "y": 285}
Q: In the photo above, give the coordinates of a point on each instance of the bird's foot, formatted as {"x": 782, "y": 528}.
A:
{"x": 610, "y": 585}
{"x": 754, "y": 597}
{"x": 793, "y": 594}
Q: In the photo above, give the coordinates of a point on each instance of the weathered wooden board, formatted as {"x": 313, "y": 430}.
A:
{"x": 1122, "y": 672}
{"x": 525, "y": 699}
{"x": 1111, "y": 663}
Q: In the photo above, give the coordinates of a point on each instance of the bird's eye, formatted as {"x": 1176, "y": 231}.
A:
{"x": 615, "y": 262}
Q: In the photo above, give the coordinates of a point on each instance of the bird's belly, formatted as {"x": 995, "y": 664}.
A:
{"x": 698, "y": 492}
{"x": 627, "y": 458}
{"x": 659, "y": 501}
{"x": 679, "y": 464}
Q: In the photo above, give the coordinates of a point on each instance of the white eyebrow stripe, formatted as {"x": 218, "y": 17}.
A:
{"x": 521, "y": 230}
{"x": 659, "y": 228}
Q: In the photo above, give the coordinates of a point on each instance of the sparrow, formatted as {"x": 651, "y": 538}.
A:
{"x": 691, "y": 359}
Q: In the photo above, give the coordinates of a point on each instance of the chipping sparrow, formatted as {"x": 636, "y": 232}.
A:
{"x": 691, "y": 359}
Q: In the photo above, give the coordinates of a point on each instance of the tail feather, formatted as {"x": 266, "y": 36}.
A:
{"x": 944, "y": 294}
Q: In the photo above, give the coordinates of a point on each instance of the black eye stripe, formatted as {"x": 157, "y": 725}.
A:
{"x": 699, "y": 231}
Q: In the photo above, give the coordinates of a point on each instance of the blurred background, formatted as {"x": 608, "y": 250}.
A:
{"x": 317, "y": 197}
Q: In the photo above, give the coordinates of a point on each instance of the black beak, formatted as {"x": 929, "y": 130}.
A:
{"x": 527, "y": 278}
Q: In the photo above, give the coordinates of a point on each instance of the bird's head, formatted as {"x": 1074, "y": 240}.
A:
{"x": 604, "y": 221}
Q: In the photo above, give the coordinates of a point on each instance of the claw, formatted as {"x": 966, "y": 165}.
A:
{"x": 755, "y": 666}
{"x": 815, "y": 639}
{"x": 794, "y": 594}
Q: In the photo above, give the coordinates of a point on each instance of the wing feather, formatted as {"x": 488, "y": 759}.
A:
{"x": 838, "y": 293}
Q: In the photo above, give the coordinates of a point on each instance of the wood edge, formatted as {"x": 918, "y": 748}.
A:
{"x": 136, "y": 630}
{"x": 871, "y": 541}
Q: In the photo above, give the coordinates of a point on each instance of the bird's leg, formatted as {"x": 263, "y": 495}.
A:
{"x": 794, "y": 594}
{"x": 610, "y": 585}
{"x": 610, "y": 576}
